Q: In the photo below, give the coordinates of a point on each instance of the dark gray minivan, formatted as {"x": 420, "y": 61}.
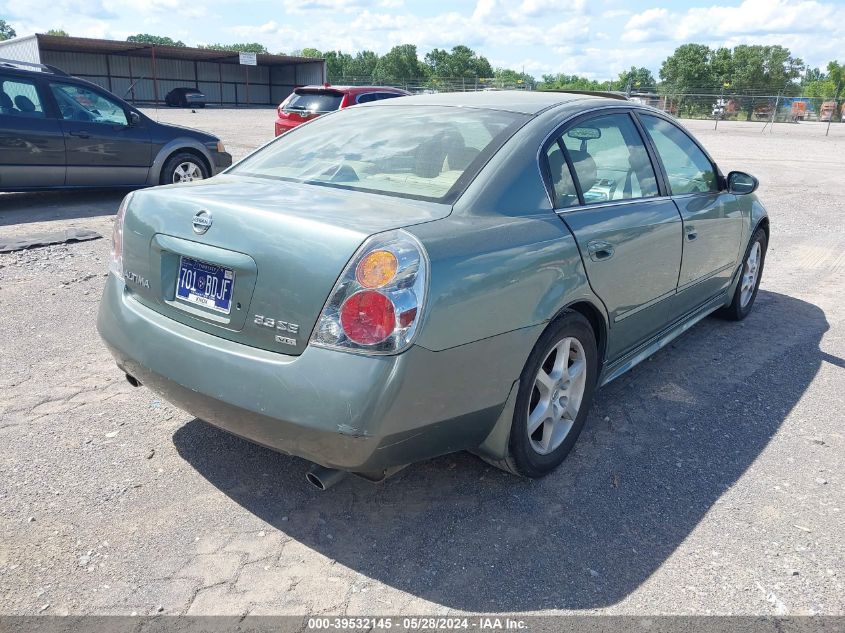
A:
{"x": 62, "y": 131}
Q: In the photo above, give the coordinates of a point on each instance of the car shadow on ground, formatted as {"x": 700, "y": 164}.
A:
{"x": 46, "y": 206}
{"x": 662, "y": 444}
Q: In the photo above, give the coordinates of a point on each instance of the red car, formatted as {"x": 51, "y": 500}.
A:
{"x": 308, "y": 102}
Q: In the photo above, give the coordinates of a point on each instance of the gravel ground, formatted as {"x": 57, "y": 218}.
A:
{"x": 708, "y": 480}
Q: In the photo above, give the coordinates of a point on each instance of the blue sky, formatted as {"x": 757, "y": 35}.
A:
{"x": 595, "y": 38}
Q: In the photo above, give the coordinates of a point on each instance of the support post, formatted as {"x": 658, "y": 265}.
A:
{"x": 155, "y": 76}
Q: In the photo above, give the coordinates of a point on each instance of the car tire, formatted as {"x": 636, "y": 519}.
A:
{"x": 534, "y": 451}
{"x": 749, "y": 280}
{"x": 183, "y": 167}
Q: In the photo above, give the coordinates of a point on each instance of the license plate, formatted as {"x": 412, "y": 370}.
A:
{"x": 205, "y": 284}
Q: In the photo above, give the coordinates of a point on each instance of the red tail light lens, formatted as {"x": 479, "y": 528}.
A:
{"x": 377, "y": 303}
{"x": 368, "y": 317}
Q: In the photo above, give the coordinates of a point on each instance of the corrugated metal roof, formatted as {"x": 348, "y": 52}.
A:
{"x": 90, "y": 45}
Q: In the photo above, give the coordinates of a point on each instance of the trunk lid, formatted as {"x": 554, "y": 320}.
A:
{"x": 284, "y": 243}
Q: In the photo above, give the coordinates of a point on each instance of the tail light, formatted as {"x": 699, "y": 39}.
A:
{"x": 377, "y": 303}
{"x": 116, "y": 258}
{"x": 281, "y": 109}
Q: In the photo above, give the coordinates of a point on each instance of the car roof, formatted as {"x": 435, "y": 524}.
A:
{"x": 522, "y": 101}
{"x": 352, "y": 89}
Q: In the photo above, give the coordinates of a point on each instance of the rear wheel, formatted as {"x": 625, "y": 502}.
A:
{"x": 183, "y": 167}
{"x": 556, "y": 391}
{"x": 749, "y": 280}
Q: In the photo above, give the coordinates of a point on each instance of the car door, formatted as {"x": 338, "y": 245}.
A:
{"x": 103, "y": 149}
{"x": 32, "y": 146}
{"x": 629, "y": 234}
{"x": 712, "y": 217}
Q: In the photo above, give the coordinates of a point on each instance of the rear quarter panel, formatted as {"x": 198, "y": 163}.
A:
{"x": 503, "y": 260}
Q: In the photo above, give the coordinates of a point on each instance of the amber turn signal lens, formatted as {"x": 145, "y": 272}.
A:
{"x": 376, "y": 269}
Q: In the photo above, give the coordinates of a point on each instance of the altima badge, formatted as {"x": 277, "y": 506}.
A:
{"x": 202, "y": 222}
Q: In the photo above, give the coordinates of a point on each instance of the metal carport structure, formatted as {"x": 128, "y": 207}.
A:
{"x": 144, "y": 73}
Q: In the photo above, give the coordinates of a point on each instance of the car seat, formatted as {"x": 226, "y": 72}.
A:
{"x": 25, "y": 105}
{"x": 6, "y": 105}
{"x": 585, "y": 168}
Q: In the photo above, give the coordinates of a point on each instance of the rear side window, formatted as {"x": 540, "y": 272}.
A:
{"x": 388, "y": 95}
{"x": 610, "y": 159}
{"x": 20, "y": 98}
{"x": 687, "y": 167}
{"x": 425, "y": 152}
{"x": 367, "y": 97}
{"x": 315, "y": 101}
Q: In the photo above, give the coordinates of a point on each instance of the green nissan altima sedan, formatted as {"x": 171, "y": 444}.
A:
{"x": 429, "y": 274}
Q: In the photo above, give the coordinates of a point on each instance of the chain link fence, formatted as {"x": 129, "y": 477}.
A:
{"x": 429, "y": 84}
{"x": 748, "y": 105}
{"x": 745, "y": 107}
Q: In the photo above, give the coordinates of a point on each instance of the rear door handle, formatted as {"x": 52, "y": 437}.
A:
{"x": 80, "y": 134}
{"x": 600, "y": 250}
{"x": 691, "y": 233}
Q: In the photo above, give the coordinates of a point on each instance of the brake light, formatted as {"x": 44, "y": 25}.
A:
{"x": 377, "y": 303}
{"x": 281, "y": 109}
{"x": 367, "y": 317}
{"x": 116, "y": 258}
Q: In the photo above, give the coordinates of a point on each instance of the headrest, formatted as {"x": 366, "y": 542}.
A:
{"x": 24, "y": 104}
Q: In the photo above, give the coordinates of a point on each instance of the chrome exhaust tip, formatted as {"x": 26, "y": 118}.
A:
{"x": 324, "y": 478}
{"x": 133, "y": 381}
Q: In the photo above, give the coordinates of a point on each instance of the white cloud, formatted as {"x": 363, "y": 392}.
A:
{"x": 811, "y": 29}
{"x": 612, "y": 14}
{"x": 750, "y": 18}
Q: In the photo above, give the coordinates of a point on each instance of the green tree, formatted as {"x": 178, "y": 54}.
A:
{"x": 363, "y": 66}
{"x": 461, "y": 61}
{"x": 158, "y": 40}
{"x": 688, "y": 70}
{"x": 836, "y": 77}
{"x": 764, "y": 70}
{"x": 6, "y": 31}
{"x": 508, "y": 78}
{"x": 399, "y": 65}
{"x": 561, "y": 81}
{"x": 251, "y": 47}
{"x": 58, "y": 32}
{"x": 310, "y": 52}
{"x": 636, "y": 79}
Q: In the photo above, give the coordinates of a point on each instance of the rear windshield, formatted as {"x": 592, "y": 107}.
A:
{"x": 314, "y": 101}
{"x": 425, "y": 152}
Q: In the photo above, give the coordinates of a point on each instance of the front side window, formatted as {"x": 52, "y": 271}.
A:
{"x": 687, "y": 167}
{"x": 20, "y": 98}
{"x": 78, "y": 103}
{"x": 410, "y": 151}
{"x": 610, "y": 159}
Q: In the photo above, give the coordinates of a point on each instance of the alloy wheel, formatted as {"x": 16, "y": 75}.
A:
{"x": 556, "y": 395}
{"x": 187, "y": 172}
{"x": 750, "y": 270}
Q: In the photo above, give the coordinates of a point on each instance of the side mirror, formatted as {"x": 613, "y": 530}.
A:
{"x": 134, "y": 118}
{"x": 741, "y": 183}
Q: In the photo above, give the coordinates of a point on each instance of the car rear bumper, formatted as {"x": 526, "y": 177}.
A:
{"x": 283, "y": 125}
{"x": 347, "y": 411}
